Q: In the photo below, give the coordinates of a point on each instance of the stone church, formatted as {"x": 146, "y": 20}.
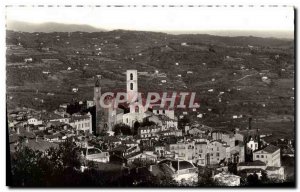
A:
{"x": 130, "y": 113}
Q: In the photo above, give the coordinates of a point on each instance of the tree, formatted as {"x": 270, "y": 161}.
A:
{"x": 264, "y": 177}
{"x": 205, "y": 178}
{"x": 69, "y": 154}
{"x": 184, "y": 121}
{"x": 122, "y": 128}
{"x": 252, "y": 180}
{"x": 232, "y": 168}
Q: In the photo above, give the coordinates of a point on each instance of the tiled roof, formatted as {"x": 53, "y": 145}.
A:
{"x": 78, "y": 118}
{"x": 178, "y": 164}
{"x": 270, "y": 149}
{"x": 39, "y": 145}
{"x": 254, "y": 163}
{"x": 133, "y": 154}
{"x": 269, "y": 168}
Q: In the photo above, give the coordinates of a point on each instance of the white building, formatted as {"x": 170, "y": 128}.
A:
{"x": 34, "y": 121}
{"x": 82, "y": 122}
{"x": 269, "y": 155}
{"x": 252, "y": 145}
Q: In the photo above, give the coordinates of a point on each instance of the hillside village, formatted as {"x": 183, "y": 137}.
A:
{"x": 227, "y": 135}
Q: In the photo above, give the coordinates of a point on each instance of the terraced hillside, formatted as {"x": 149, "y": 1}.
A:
{"x": 232, "y": 76}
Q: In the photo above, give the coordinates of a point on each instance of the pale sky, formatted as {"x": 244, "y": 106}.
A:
{"x": 161, "y": 18}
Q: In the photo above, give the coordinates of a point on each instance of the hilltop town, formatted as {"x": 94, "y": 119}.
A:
{"x": 241, "y": 134}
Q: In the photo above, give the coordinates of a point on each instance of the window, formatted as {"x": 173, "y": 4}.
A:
{"x": 217, "y": 148}
{"x": 137, "y": 109}
{"x": 251, "y": 146}
{"x": 131, "y": 86}
{"x": 257, "y": 156}
{"x": 164, "y": 112}
{"x": 262, "y": 156}
{"x": 131, "y": 76}
{"x": 218, "y": 154}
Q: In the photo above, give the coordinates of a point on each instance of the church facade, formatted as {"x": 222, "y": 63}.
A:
{"x": 107, "y": 118}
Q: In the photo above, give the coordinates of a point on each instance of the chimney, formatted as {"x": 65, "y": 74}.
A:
{"x": 18, "y": 130}
{"x": 250, "y": 122}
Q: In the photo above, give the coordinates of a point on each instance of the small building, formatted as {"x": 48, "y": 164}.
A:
{"x": 34, "y": 121}
{"x": 269, "y": 155}
{"x": 181, "y": 171}
{"x": 276, "y": 172}
{"x": 82, "y": 122}
{"x": 251, "y": 165}
{"x": 141, "y": 156}
{"x": 95, "y": 154}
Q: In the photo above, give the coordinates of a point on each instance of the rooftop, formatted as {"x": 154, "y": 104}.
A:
{"x": 270, "y": 149}
{"x": 254, "y": 163}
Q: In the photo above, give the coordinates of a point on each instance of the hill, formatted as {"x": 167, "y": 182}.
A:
{"x": 49, "y": 27}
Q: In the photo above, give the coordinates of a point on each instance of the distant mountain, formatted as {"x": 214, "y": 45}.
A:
{"x": 49, "y": 27}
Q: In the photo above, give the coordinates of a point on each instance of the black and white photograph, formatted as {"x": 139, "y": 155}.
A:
{"x": 152, "y": 96}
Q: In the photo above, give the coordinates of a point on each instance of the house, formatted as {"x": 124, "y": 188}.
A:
{"x": 34, "y": 121}
{"x": 276, "y": 172}
{"x": 157, "y": 110}
{"x": 183, "y": 150}
{"x": 218, "y": 151}
{"x": 201, "y": 153}
{"x": 171, "y": 132}
{"x": 196, "y": 131}
{"x": 141, "y": 156}
{"x": 130, "y": 143}
{"x": 75, "y": 89}
{"x": 269, "y": 155}
{"x": 148, "y": 131}
{"x": 160, "y": 150}
{"x": 82, "y": 122}
{"x": 180, "y": 170}
{"x": 28, "y": 60}
{"x": 225, "y": 136}
{"x": 89, "y": 104}
{"x": 95, "y": 154}
{"x": 163, "y": 121}
{"x": 252, "y": 145}
{"x": 251, "y": 165}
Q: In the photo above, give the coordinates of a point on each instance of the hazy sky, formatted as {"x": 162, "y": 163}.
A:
{"x": 161, "y": 18}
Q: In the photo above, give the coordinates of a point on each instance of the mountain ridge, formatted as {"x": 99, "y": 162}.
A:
{"x": 49, "y": 27}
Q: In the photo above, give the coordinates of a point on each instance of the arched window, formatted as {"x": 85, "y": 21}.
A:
{"x": 131, "y": 76}
{"x": 131, "y": 86}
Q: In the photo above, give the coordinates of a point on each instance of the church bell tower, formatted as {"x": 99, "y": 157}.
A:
{"x": 132, "y": 85}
